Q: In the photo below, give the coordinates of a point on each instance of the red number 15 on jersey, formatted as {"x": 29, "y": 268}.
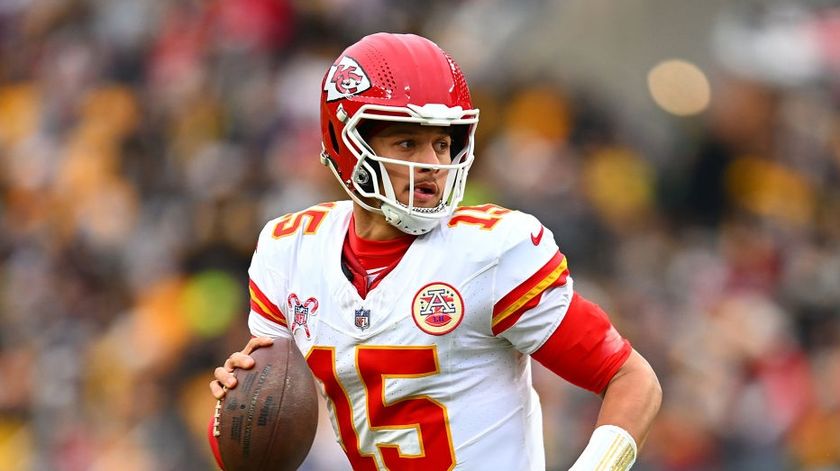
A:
{"x": 428, "y": 417}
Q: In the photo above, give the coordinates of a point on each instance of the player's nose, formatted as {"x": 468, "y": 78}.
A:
{"x": 428, "y": 155}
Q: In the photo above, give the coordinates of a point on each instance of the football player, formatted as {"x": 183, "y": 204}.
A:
{"x": 419, "y": 317}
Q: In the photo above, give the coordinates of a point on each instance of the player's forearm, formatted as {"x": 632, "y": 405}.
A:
{"x": 631, "y": 401}
{"x": 632, "y": 398}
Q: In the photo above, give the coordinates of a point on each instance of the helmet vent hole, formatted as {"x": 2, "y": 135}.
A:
{"x": 333, "y": 139}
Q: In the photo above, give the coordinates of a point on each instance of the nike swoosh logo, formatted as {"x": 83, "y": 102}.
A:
{"x": 537, "y": 238}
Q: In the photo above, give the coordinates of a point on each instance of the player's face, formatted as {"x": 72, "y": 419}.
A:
{"x": 419, "y": 144}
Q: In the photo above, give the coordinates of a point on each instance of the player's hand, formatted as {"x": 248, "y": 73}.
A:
{"x": 224, "y": 378}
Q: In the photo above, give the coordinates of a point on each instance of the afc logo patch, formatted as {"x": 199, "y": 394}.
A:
{"x": 345, "y": 79}
{"x": 437, "y": 308}
{"x": 301, "y": 312}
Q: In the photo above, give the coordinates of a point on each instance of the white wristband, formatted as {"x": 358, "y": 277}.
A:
{"x": 610, "y": 448}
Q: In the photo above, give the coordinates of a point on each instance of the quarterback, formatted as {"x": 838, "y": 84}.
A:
{"x": 417, "y": 316}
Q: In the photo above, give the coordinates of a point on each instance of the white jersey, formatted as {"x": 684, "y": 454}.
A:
{"x": 431, "y": 370}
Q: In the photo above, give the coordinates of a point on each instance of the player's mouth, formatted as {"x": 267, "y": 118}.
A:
{"x": 426, "y": 194}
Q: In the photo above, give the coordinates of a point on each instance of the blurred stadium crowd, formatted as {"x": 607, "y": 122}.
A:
{"x": 143, "y": 143}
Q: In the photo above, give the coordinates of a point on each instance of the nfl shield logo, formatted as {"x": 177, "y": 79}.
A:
{"x": 362, "y": 318}
{"x": 301, "y": 315}
{"x": 302, "y": 311}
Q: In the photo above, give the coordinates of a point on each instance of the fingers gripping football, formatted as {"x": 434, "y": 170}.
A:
{"x": 224, "y": 378}
{"x": 268, "y": 421}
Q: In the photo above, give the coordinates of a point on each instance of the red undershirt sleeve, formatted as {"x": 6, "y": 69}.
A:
{"x": 585, "y": 349}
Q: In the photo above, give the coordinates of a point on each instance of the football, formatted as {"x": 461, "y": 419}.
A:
{"x": 268, "y": 421}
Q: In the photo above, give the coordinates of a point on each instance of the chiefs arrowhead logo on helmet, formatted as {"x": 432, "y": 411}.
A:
{"x": 345, "y": 79}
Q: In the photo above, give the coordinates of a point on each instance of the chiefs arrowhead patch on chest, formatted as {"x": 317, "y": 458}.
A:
{"x": 437, "y": 308}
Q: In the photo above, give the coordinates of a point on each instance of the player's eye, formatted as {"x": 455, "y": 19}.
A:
{"x": 406, "y": 144}
{"x": 442, "y": 145}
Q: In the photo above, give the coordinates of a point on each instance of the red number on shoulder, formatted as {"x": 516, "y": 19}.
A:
{"x": 486, "y": 216}
{"x": 290, "y": 223}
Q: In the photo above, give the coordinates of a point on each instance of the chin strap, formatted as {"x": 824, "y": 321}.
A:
{"x": 610, "y": 448}
{"x": 406, "y": 222}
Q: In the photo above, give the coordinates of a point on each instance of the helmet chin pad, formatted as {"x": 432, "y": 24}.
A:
{"x": 409, "y": 223}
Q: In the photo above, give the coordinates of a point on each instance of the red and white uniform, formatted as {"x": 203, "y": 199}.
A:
{"x": 430, "y": 370}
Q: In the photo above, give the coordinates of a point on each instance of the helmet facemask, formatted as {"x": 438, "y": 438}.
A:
{"x": 370, "y": 182}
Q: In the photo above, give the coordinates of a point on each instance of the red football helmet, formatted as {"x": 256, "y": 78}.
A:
{"x": 395, "y": 78}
